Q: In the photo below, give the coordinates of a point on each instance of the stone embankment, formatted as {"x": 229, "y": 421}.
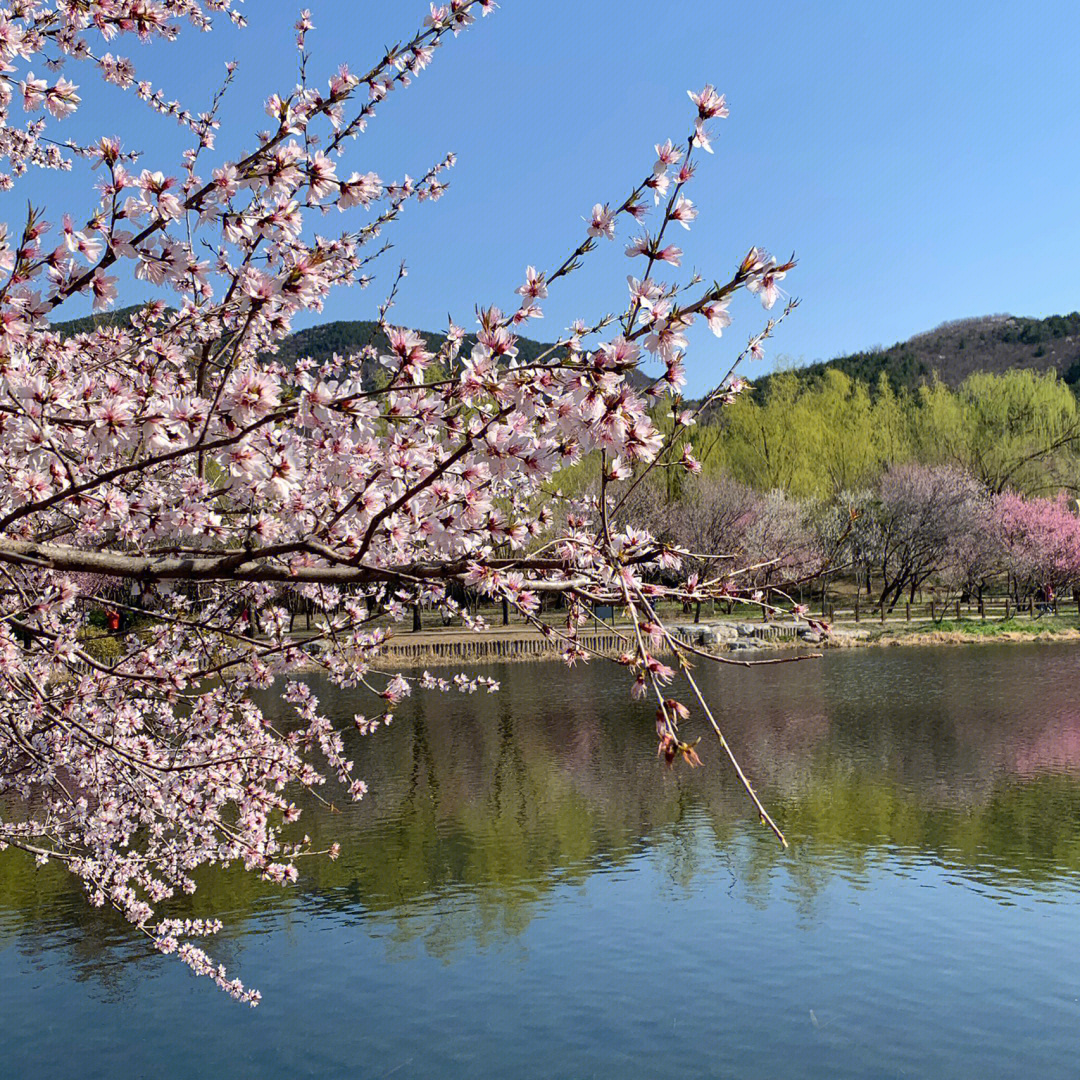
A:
{"x": 503, "y": 644}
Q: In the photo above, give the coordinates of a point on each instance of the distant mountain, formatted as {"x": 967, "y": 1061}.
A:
{"x": 954, "y": 350}
{"x": 349, "y": 337}
{"x": 91, "y": 322}
{"x": 951, "y": 352}
{"x": 321, "y": 342}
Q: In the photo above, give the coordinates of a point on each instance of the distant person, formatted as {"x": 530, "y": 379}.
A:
{"x": 1045, "y": 602}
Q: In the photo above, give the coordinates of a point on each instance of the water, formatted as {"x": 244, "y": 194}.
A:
{"x": 527, "y": 893}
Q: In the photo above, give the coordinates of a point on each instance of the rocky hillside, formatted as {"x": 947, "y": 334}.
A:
{"x": 954, "y": 350}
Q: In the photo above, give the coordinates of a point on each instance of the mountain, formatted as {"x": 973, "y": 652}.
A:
{"x": 91, "y": 322}
{"x": 319, "y": 342}
{"x": 951, "y": 352}
{"x": 954, "y": 350}
{"x": 349, "y": 337}
{"x": 343, "y": 337}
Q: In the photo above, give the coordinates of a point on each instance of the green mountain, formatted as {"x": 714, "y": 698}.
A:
{"x": 319, "y": 342}
{"x": 349, "y": 337}
{"x": 92, "y": 322}
{"x": 954, "y": 350}
{"x": 345, "y": 338}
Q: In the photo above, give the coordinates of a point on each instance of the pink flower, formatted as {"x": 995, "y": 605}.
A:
{"x": 702, "y": 138}
{"x": 103, "y": 288}
{"x": 716, "y": 314}
{"x": 534, "y": 288}
{"x": 360, "y": 190}
{"x": 683, "y": 211}
{"x": 322, "y": 175}
{"x": 766, "y": 286}
{"x": 602, "y": 222}
{"x": 250, "y": 394}
{"x": 33, "y": 91}
{"x": 62, "y": 100}
{"x": 666, "y": 154}
{"x": 709, "y": 103}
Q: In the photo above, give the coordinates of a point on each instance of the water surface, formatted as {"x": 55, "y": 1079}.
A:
{"x": 527, "y": 893}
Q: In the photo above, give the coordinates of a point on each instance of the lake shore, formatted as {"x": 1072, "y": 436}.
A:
{"x": 971, "y": 632}
{"x": 728, "y": 639}
{"x": 732, "y": 641}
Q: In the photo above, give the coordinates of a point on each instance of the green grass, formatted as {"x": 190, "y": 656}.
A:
{"x": 978, "y": 629}
{"x": 105, "y": 648}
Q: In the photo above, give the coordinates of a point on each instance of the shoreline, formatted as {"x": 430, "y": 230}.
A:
{"x": 732, "y": 641}
{"x": 1049, "y": 635}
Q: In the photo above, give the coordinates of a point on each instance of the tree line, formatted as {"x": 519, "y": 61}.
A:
{"x": 964, "y": 491}
{"x": 1015, "y": 431}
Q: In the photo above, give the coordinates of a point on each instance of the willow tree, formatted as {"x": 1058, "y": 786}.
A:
{"x": 817, "y": 438}
{"x": 1018, "y": 430}
{"x": 770, "y": 444}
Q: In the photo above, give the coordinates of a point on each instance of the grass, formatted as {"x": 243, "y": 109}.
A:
{"x": 103, "y": 647}
{"x": 959, "y": 630}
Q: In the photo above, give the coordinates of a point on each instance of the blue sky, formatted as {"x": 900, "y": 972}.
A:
{"x": 921, "y": 159}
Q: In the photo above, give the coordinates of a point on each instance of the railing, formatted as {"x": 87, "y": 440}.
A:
{"x": 496, "y": 647}
{"x": 996, "y": 607}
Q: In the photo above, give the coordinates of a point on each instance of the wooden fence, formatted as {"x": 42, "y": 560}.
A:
{"x": 997, "y": 607}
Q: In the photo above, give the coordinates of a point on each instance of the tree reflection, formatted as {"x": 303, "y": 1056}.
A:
{"x": 483, "y": 810}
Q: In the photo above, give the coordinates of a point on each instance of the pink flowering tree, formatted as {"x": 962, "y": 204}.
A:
{"x": 707, "y": 524}
{"x": 170, "y": 471}
{"x": 1039, "y": 542}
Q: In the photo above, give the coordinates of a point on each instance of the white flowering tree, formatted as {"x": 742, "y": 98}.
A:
{"x": 168, "y": 469}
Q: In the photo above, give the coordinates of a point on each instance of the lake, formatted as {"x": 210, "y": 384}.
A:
{"x": 527, "y": 892}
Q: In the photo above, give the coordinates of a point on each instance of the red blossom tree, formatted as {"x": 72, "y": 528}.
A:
{"x": 171, "y": 471}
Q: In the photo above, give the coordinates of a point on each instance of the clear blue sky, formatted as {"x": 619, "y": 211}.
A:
{"x": 921, "y": 159}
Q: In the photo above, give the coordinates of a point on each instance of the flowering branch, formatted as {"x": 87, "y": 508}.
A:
{"x": 173, "y": 472}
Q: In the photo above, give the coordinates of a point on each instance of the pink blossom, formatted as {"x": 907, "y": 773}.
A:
{"x": 534, "y": 287}
{"x": 683, "y": 211}
{"x": 709, "y": 103}
{"x": 716, "y": 314}
{"x": 602, "y": 222}
{"x": 104, "y": 289}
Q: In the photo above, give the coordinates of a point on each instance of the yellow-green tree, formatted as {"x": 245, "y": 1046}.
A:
{"x": 1017, "y": 430}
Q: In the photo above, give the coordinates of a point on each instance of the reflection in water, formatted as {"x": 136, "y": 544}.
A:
{"x": 544, "y": 804}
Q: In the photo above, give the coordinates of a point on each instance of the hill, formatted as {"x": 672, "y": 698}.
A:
{"x": 954, "y": 350}
{"x": 319, "y": 342}
{"x": 90, "y": 322}
{"x": 348, "y": 337}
